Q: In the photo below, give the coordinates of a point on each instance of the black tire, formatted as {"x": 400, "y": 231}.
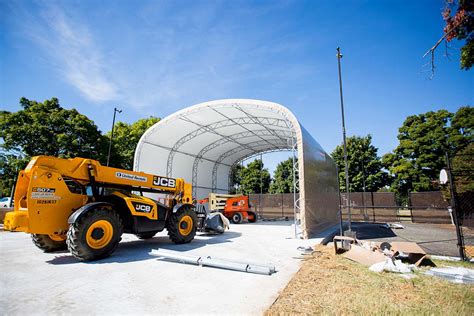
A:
{"x": 252, "y": 217}
{"x": 45, "y": 243}
{"x": 146, "y": 235}
{"x": 180, "y": 230}
{"x": 237, "y": 218}
{"x": 82, "y": 243}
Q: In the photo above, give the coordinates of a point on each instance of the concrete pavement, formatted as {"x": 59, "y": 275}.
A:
{"x": 133, "y": 282}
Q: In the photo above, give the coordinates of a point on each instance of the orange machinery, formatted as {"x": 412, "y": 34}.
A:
{"x": 235, "y": 207}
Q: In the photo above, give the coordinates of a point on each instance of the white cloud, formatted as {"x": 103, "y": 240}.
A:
{"x": 165, "y": 56}
{"x": 73, "y": 51}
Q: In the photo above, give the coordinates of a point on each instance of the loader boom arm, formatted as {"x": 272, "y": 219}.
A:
{"x": 89, "y": 171}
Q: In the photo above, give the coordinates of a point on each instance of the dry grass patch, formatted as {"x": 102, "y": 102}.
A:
{"x": 330, "y": 284}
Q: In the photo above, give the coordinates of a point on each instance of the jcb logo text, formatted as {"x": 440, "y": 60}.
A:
{"x": 164, "y": 182}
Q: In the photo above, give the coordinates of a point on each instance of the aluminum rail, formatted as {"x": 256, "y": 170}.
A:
{"x": 216, "y": 263}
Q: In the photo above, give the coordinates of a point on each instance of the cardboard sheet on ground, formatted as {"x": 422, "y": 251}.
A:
{"x": 364, "y": 256}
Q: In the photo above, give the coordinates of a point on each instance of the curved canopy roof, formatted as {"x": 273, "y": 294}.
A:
{"x": 201, "y": 143}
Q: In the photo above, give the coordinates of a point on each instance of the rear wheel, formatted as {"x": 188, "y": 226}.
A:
{"x": 49, "y": 243}
{"x": 252, "y": 217}
{"x": 237, "y": 218}
{"x": 146, "y": 235}
{"x": 95, "y": 235}
{"x": 182, "y": 225}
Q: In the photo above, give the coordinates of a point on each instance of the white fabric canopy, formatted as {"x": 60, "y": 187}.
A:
{"x": 201, "y": 143}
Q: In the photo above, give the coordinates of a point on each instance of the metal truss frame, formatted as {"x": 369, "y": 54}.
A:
{"x": 282, "y": 146}
{"x": 240, "y": 121}
{"x": 222, "y": 141}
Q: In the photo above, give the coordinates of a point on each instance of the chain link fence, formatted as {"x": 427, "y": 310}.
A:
{"x": 460, "y": 192}
{"x": 273, "y": 206}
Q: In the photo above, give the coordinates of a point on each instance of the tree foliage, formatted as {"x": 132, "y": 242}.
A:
{"x": 126, "y": 137}
{"x": 363, "y": 163}
{"x": 236, "y": 178}
{"x": 459, "y": 19}
{"x": 423, "y": 141}
{"x": 10, "y": 166}
{"x": 463, "y": 169}
{"x": 45, "y": 128}
{"x": 283, "y": 177}
{"x": 254, "y": 178}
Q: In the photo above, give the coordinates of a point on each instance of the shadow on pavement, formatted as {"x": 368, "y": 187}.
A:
{"x": 363, "y": 231}
{"x": 138, "y": 250}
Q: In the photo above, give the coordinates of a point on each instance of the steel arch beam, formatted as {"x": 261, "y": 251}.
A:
{"x": 222, "y": 141}
{"x": 235, "y": 150}
{"x": 217, "y": 125}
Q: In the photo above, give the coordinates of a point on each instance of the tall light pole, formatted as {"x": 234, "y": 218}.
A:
{"x": 366, "y": 217}
{"x": 348, "y": 200}
{"x": 112, "y": 135}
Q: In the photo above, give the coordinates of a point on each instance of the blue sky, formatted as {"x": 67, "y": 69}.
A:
{"x": 156, "y": 57}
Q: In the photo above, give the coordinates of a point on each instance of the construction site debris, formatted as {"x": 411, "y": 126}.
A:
{"x": 215, "y": 262}
{"x": 364, "y": 256}
{"x": 345, "y": 243}
{"x": 400, "y": 257}
{"x": 391, "y": 266}
{"x": 393, "y": 226}
{"x": 453, "y": 274}
{"x": 305, "y": 250}
{"x": 445, "y": 258}
{"x": 410, "y": 251}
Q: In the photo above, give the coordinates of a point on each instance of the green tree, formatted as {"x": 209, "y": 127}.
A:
{"x": 255, "y": 178}
{"x": 126, "y": 137}
{"x": 283, "y": 177}
{"x": 45, "y": 128}
{"x": 236, "y": 178}
{"x": 423, "y": 141}
{"x": 10, "y": 166}
{"x": 463, "y": 172}
{"x": 363, "y": 163}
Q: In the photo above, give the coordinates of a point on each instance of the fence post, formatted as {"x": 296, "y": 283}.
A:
{"x": 453, "y": 203}
{"x": 372, "y": 200}
{"x": 282, "y": 214}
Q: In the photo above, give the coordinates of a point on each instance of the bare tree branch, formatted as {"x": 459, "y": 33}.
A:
{"x": 432, "y": 49}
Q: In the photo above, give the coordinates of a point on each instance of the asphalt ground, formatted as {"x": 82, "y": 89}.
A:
{"x": 435, "y": 239}
{"x": 132, "y": 281}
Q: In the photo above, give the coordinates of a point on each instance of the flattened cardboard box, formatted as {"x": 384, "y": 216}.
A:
{"x": 414, "y": 252}
{"x": 364, "y": 256}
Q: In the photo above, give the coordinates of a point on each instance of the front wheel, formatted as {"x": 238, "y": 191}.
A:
{"x": 237, "y": 218}
{"x": 182, "y": 225}
{"x": 95, "y": 235}
{"x": 49, "y": 243}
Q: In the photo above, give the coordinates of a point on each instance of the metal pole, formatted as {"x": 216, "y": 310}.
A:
{"x": 454, "y": 208}
{"x": 341, "y": 230}
{"x": 112, "y": 135}
{"x": 261, "y": 186}
{"x": 366, "y": 217}
{"x": 240, "y": 185}
{"x": 295, "y": 219}
{"x": 339, "y": 56}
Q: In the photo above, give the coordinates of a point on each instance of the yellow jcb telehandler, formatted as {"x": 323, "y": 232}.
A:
{"x": 84, "y": 206}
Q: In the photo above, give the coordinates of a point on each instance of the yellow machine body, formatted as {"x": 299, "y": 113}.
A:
{"x": 50, "y": 189}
